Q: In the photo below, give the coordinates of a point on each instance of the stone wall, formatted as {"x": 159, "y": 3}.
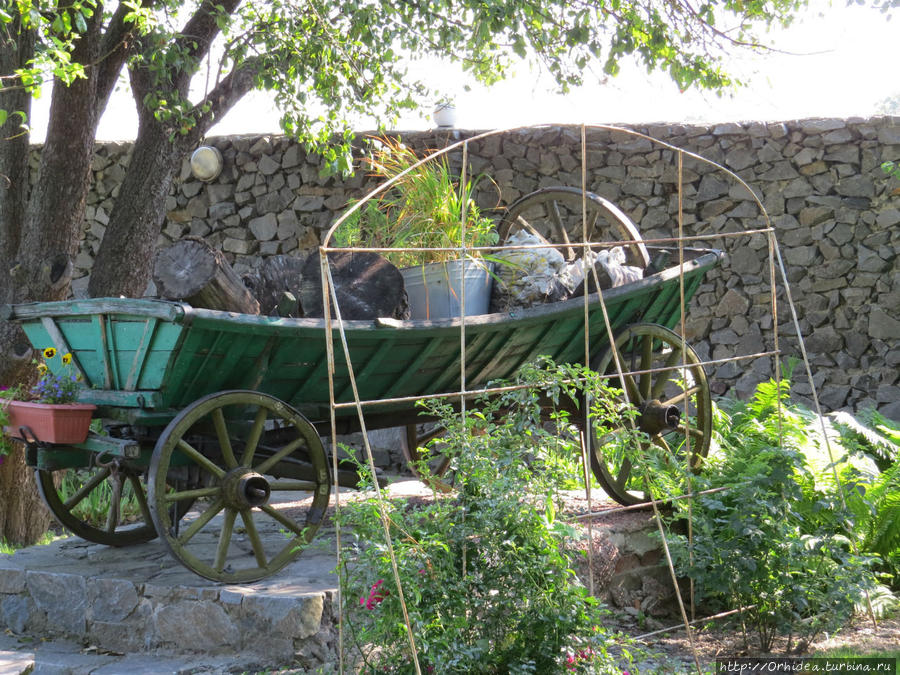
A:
{"x": 835, "y": 215}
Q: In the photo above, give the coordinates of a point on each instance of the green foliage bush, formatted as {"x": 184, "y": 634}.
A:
{"x": 779, "y": 541}
{"x": 485, "y": 571}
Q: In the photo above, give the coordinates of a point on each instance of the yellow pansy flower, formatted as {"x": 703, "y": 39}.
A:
{"x": 49, "y": 353}
{"x": 67, "y": 358}
{"x": 42, "y": 368}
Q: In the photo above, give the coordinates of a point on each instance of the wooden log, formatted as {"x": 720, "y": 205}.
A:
{"x": 277, "y": 275}
{"x": 191, "y": 270}
{"x": 367, "y": 286}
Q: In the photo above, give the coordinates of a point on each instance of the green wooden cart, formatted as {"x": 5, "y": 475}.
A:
{"x": 212, "y": 420}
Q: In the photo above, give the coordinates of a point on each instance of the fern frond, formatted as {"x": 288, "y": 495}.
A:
{"x": 878, "y": 444}
{"x": 884, "y": 531}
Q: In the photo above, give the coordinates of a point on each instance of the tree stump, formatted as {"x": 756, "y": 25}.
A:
{"x": 368, "y": 286}
{"x": 191, "y": 270}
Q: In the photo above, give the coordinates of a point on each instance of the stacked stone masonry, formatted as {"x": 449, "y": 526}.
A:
{"x": 834, "y": 211}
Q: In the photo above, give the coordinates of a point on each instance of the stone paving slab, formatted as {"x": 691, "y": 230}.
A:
{"x": 62, "y": 657}
{"x": 92, "y": 609}
{"x": 138, "y": 600}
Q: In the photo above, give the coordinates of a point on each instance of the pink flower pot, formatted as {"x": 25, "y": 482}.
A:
{"x": 63, "y": 423}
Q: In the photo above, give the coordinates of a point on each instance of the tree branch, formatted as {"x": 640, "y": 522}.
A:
{"x": 227, "y": 93}
{"x": 114, "y": 48}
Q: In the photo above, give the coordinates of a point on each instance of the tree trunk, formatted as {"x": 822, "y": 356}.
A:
{"x": 191, "y": 270}
{"x": 16, "y": 48}
{"x": 23, "y": 519}
{"x": 123, "y": 263}
{"x": 40, "y": 267}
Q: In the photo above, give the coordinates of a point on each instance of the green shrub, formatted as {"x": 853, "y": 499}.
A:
{"x": 485, "y": 571}
{"x": 776, "y": 542}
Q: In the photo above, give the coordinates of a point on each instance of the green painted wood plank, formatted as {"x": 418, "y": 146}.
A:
{"x": 112, "y": 351}
{"x": 161, "y": 309}
{"x": 498, "y": 364}
{"x": 430, "y": 346}
{"x": 202, "y": 370}
{"x": 100, "y": 333}
{"x": 450, "y": 368}
{"x": 124, "y": 399}
{"x": 62, "y": 346}
{"x": 140, "y": 354}
{"x": 480, "y": 369}
{"x": 235, "y": 354}
{"x": 257, "y": 373}
{"x": 661, "y": 303}
{"x": 369, "y": 367}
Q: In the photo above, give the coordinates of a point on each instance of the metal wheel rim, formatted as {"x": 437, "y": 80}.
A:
{"x": 116, "y": 533}
{"x": 260, "y": 562}
{"x": 623, "y": 229}
{"x": 613, "y": 474}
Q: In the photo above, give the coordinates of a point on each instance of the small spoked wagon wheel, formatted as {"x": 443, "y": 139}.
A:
{"x": 670, "y": 391}
{"x": 438, "y": 476}
{"x": 105, "y": 504}
{"x": 555, "y": 214}
{"x": 258, "y": 505}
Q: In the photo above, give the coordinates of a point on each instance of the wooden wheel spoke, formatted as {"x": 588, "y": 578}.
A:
{"x": 253, "y": 534}
{"x": 681, "y": 396}
{"x": 224, "y": 441}
{"x": 428, "y": 436}
{"x": 693, "y": 432}
{"x": 254, "y": 436}
{"x": 200, "y": 458}
{"x": 592, "y": 225}
{"x": 198, "y": 493}
{"x": 631, "y": 388}
{"x": 201, "y": 522}
{"x": 224, "y": 539}
{"x": 664, "y": 376}
{"x": 646, "y": 364}
{"x": 291, "y": 447}
{"x": 115, "y": 503}
{"x": 561, "y": 229}
{"x": 624, "y": 472}
{"x": 140, "y": 497}
{"x": 293, "y": 485}
{"x": 283, "y": 520}
{"x": 661, "y": 442}
{"x": 86, "y": 489}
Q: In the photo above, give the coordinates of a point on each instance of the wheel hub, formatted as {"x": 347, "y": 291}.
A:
{"x": 243, "y": 488}
{"x": 656, "y": 417}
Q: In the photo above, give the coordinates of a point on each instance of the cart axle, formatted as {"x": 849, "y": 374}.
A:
{"x": 245, "y": 489}
{"x": 656, "y": 418}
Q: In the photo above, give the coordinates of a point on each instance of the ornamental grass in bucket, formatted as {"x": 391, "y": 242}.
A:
{"x": 424, "y": 209}
{"x": 427, "y": 214}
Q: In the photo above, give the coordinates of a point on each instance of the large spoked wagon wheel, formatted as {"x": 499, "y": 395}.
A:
{"x": 671, "y": 393}
{"x": 253, "y": 513}
{"x": 555, "y": 214}
{"x": 105, "y": 503}
{"x": 438, "y": 475}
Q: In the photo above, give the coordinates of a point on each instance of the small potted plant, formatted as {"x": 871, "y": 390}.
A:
{"x": 424, "y": 211}
{"x": 49, "y": 412}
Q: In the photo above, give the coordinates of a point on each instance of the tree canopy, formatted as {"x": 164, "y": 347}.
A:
{"x": 329, "y": 61}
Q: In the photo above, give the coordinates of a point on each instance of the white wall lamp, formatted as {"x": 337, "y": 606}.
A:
{"x": 206, "y": 163}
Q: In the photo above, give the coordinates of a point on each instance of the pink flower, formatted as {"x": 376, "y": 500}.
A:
{"x": 376, "y": 595}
